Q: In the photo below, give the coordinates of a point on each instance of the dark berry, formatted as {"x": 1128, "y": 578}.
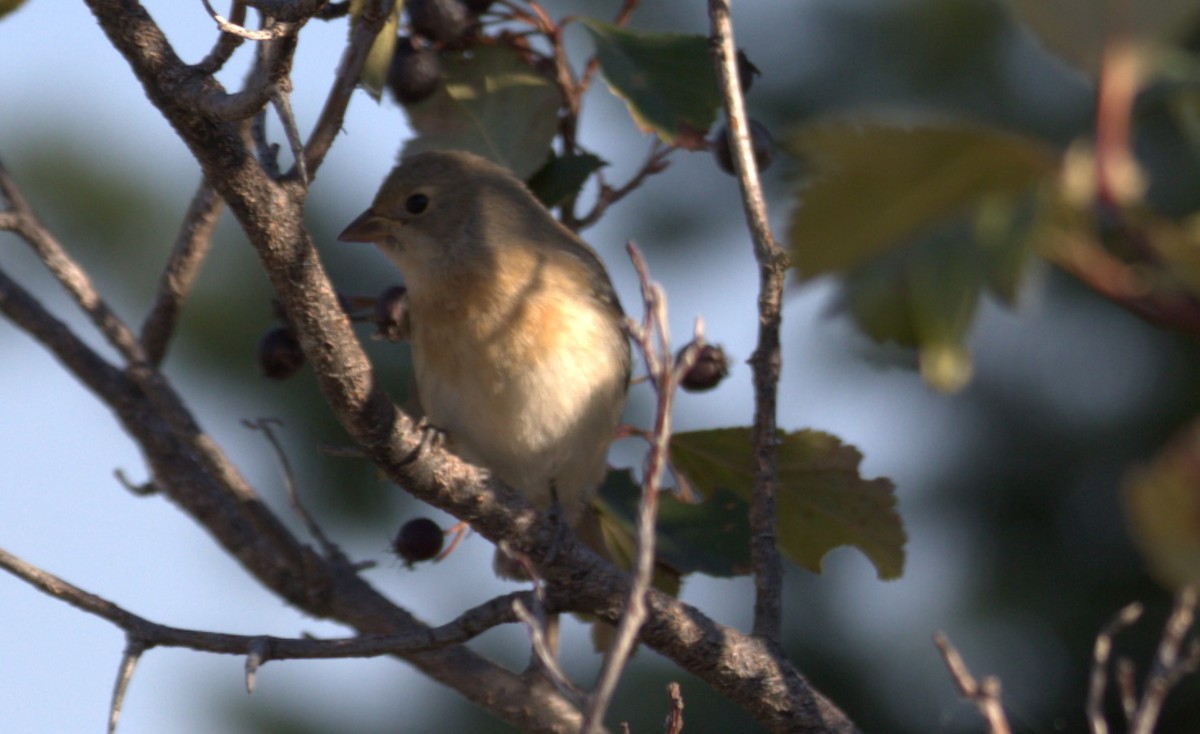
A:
{"x": 707, "y": 371}
{"x": 414, "y": 73}
{"x": 391, "y": 314}
{"x": 444, "y": 21}
{"x": 279, "y": 354}
{"x": 418, "y": 540}
{"x": 760, "y": 140}
{"x": 747, "y": 71}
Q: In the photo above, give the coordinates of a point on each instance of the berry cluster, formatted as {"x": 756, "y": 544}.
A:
{"x": 416, "y": 70}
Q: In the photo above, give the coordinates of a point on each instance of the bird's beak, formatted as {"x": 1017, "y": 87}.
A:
{"x": 368, "y": 227}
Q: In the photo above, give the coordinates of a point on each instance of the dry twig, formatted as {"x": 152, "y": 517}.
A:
{"x": 984, "y": 694}
{"x": 767, "y": 358}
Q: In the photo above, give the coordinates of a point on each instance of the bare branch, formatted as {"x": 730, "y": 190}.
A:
{"x": 145, "y": 634}
{"x": 374, "y": 14}
{"x": 330, "y": 549}
{"x": 271, "y": 32}
{"x": 985, "y": 695}
{"x": 1101, "y": 652}
{"x": 543, "y": 652}
{"x": 674, "y": 720}
{"x": 69, "y": 274}
{"x": 226, "y": 43}
{"x": 767, "y": 358}
{"x": 653, "y": 340}
{"x": 129, "y": 660}
{"x": 179, "y": 274}
{"x": 1168, "y": 665}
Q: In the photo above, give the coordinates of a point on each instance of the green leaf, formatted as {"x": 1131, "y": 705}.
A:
{"x": 375, "y": 69}
{"x": 710, "y": 537}
{"x": 876, "y": 186}
{"x": 667, "y": 80}
{"x": 492, "y": 103}
{"x": 563, "y": 177}
{"x": 822, "y": 502}
{"x": 924, "y": 295}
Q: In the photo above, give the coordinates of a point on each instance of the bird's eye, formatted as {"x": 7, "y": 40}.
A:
{"x": 416, "y": 203}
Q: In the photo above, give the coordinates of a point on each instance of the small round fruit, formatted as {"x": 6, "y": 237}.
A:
{"x": 707, "y": 371}
{"x": 419, "y": 539}
{"x": 760, "y": 140}
{"x": 414, "y": 73}
{"x": 444, "y": 21}
{"x": 279, "y": 354}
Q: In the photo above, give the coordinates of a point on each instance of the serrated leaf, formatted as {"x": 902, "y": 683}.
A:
{"x": 1162, "y": 505}
{"x": 375, "y": 68}
{"x": 563, "y": 177}
{"x": 492, "y": 103}
{"x": 822, "y": 501}
{"x": 874, "y": 187}
{"x": 710, "y": 537}
{"x": 667, "y": 80}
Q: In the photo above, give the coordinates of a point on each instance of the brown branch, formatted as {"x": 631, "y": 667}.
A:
{"x": 674, "y": 721}
{"x": 653, "y": 340}
{"x": 656, "y": 162}
{"x": 370, "y": 21}
{"x": 226, "y": 43}
{"x": 66, "y": 271}
{"x": 149, "y": 634}
{"x": 179, "y": 274}
{"x": 1169, "y": 666}
{"x": 767, "y": 358}
{"x": 984, "y": 694}
{"x": 1101, "y": 652}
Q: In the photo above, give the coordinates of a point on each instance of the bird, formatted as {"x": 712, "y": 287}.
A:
{"x": 519, "y": 349}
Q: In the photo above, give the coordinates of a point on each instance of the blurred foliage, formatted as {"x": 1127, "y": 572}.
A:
{"x": 1034, "y": 495}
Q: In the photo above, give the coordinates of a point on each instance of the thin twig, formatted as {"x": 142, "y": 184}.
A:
{"x": 179, "y": 274}
{"x": 656, "y": 162}
{"x": 69, "y": 274}
{"x": 269, "y": 33}
{"x": 542, "y": 650}
{"x": 1168, "y": 666}
{"x": 653, "y": 340}
{"x": 766, "y": 360}
{"x": 129, "y": 660}
{"x": 674, "y": 722}
{"x": 226, "y": 43}
{"x": 985, "y": 695}
{"x": 283, "y": 107}
{"x": 330, "y": 549}
{"x": 148, "y": 634}
{"x": 370, "y": 21}
{"x": 1101, "y": 653}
